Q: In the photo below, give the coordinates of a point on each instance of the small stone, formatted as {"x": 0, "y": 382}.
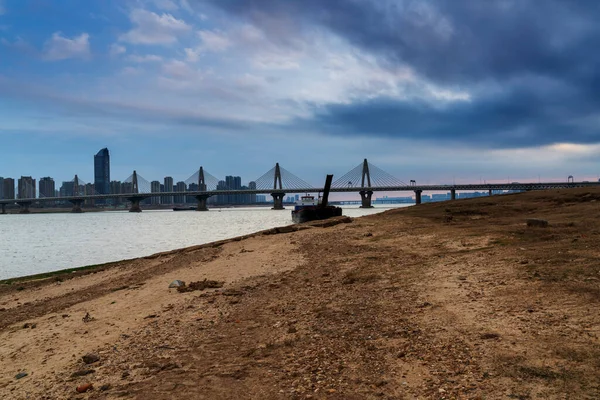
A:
{"x": 87, "y": 318}
{"x": 105, "y": 387}
{"x": 21, "y": 375}
{"x": 176, "y": 283}
{"x": 90, "y": 358}
{"x": 442, "y": 390}
{"x": 84, "y": 388}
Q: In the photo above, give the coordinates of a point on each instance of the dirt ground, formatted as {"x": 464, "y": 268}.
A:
{"x": 453, "y": 300}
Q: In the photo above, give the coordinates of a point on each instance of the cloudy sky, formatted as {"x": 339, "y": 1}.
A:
{"x": 432, "y": 90}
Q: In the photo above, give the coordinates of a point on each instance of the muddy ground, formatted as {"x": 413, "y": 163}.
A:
{"x": 454, "y": 300}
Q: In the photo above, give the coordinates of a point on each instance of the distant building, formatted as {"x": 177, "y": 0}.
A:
{"x": 233, "y": 183}
{"x": 102, "y": 173}
{"x": 26, "y": 188}
{"x": 252, "y": 186}
{"x": 155, "y": 188}
{"x": 89, "y": 189}
{"x": 66, "y": 189}
{"x": 221, "y": 198}
{"x": 1, "y": 188}
{"x": 193, "y": 187}
{"x": 127, "y": 187}
{"x": 180, "y": 187}
{"x": 168, "y": 188}
{"x": 47, "y": 187}
{"x": 8, "y": 188}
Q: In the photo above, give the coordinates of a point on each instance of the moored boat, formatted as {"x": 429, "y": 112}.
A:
{"x": 309, "y": 209}
{"x": 191, "y": 208}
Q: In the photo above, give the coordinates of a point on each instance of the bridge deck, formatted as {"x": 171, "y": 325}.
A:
{"x": 492, "y": 186}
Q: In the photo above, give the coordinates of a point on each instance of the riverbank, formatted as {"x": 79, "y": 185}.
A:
{"x": 447, "y": 300}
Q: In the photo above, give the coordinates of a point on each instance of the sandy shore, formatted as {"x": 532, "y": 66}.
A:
{"x": 449, "y": 300}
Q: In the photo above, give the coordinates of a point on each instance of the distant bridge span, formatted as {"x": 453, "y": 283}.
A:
{"x": 135, "y": 198}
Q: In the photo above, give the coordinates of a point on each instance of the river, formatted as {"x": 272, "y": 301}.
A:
{"x": 37, "y": 243}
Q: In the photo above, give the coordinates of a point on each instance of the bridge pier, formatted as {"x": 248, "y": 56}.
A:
{"x": 418, "y": 196}
{"x": 24, "y": 207}
{"x": 3, "y": 208}
{"x": 278, "y": 201}
{"x": 490, "y": 192}
{"x": 135, "y": 203}
{"x": 452, "y": 194}
{"x": 76, "y": 205}
{"x": 365, "y": 197}
{"x": 202, "y": 202}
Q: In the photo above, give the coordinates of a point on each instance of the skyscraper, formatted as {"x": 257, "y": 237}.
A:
{"x": 9, "y": 188}
{"x": 102, "y": 172}
{"x": 26, "y": 187}
{"x": 252, "y": 186}
{"x": 47, "y": 187}
{"x": 180, "y": 187}
{"x": 168, "y": 188}
{"x": 155, "y": 188}
{"x": 67, "y": 189}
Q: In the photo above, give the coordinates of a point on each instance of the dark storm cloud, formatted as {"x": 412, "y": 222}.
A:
{"x": 544, "y": 54}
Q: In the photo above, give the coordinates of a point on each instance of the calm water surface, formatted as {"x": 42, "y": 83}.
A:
{"x": 37, "y": 243}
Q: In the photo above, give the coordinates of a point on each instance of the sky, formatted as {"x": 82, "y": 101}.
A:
{"x": 433, "y": 90}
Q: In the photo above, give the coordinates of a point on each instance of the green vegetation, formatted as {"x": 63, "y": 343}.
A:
{"x": 58, "y": 274}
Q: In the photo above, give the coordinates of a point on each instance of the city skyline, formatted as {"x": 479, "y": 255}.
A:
{"x": 226, "y": 184}
{"x": 169, "y": 85}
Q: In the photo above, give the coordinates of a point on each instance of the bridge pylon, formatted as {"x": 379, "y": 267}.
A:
{"x": 77, "y": 201}
{"x": 76, "y": 186}
{"x": 202, "y": 198}
{"x": 366, "y": 193}
{"x": 277, "y": 177}
{"x": 136, "y": 197}
{"x": 134, "y": 183}
{"x": 201, "y": 180}
{"x": 277, "y": 196}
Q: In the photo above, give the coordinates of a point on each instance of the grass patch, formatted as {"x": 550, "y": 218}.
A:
{"x": 57, "y": 274}
{"x": 531, "y": 372}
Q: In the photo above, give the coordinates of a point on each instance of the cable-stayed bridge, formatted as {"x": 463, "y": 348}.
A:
{"x": 364, "y": 179}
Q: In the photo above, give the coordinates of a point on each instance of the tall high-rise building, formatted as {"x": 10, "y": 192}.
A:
{"x": 192, "y": 187}
{"x": 252, "y": 186}
{"x": 26, "y": 187}
{"x": 47, "y": 187}
{"x": 180, "y": 187}
{"x": 115, "y": 188}
{"x": 168, "y": 188}
{"x": 155, "y": 188}
{"x": 89, "y": 189}
{"x": 233, "y": 183}
{"x": 221, "y": 198}
{"x": 9, "y": 188}
{"x": 67, "y": 189}
{"x": 1, "y": 187}
{"x": 102, "y": 173}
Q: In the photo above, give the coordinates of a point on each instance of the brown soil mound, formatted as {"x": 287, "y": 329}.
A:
{"x": 451, "y": 300}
